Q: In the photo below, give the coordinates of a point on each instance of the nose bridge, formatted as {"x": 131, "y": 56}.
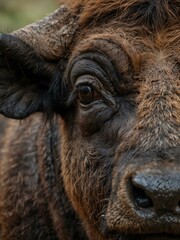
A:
{"x": 158, "y": 114}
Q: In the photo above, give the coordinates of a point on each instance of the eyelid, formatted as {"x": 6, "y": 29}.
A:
{"x": 86, "y": 80}
{"x": 90, "y": 64}
{"x": 98, "y": 87}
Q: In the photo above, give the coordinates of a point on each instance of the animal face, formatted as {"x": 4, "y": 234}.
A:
{"x": 116, "y": 90}
{"x": 125, "y": 114}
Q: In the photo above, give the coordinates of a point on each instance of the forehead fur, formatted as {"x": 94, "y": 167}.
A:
{"x": 154, "y": 14}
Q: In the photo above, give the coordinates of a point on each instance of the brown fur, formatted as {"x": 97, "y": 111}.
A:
{"x": 81, "y": 163}
{"x": 154, "y": 14}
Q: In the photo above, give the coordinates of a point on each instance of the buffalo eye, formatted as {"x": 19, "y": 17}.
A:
{"x": 87, "y": 94}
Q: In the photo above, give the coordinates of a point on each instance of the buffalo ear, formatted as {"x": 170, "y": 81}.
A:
{"x": 25, "y": 79}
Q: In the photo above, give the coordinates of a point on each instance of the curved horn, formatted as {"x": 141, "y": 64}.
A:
{"x": 50, "y": 36}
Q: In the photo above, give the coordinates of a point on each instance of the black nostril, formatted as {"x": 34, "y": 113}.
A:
{"x": 157, "y": 190}
{"x": 141, "y": 198}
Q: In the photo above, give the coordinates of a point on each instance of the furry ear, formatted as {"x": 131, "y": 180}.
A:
{"x": 25, "y": 79}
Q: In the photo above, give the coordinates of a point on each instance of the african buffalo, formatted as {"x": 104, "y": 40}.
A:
{"x": 99, "y": 157}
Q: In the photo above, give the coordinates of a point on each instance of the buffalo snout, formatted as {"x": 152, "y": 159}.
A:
{"x": 146, "y": 201}
{"x": 158, "y": 191}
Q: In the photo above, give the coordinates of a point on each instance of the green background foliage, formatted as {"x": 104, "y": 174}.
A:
{"x": 18, "y": 13}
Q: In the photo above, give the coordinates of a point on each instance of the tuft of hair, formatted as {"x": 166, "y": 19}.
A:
{"x": 154, "y": 14}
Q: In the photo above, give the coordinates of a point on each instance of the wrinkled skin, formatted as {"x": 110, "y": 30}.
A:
{"x": 129, "y": 128}
{"x": 106, "y": 166}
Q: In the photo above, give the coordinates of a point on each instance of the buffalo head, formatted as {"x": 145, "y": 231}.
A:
{"x": 111, "y": 72}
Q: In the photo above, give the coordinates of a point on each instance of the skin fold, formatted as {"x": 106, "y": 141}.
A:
{"x": 92, "y": 147}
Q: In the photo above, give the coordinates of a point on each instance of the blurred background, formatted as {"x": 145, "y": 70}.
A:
{"x": 18, "y": 13}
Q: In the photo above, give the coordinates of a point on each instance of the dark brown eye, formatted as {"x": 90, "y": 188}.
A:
{"x": 87, "y": 94}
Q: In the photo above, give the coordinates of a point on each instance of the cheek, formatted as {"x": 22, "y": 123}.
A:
{"x": 88, "y": 159}
{"x": 87, "y": 178}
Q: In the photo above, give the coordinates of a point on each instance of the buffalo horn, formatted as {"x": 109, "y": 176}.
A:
{"x": 51, "y": 36}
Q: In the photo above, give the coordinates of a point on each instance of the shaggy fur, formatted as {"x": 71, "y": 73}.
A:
{"x": 152, "y": 14}
{"x": 101, "y": 160}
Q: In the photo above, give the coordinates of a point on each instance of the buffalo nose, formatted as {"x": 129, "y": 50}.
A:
{"x": 159, "y": 191}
